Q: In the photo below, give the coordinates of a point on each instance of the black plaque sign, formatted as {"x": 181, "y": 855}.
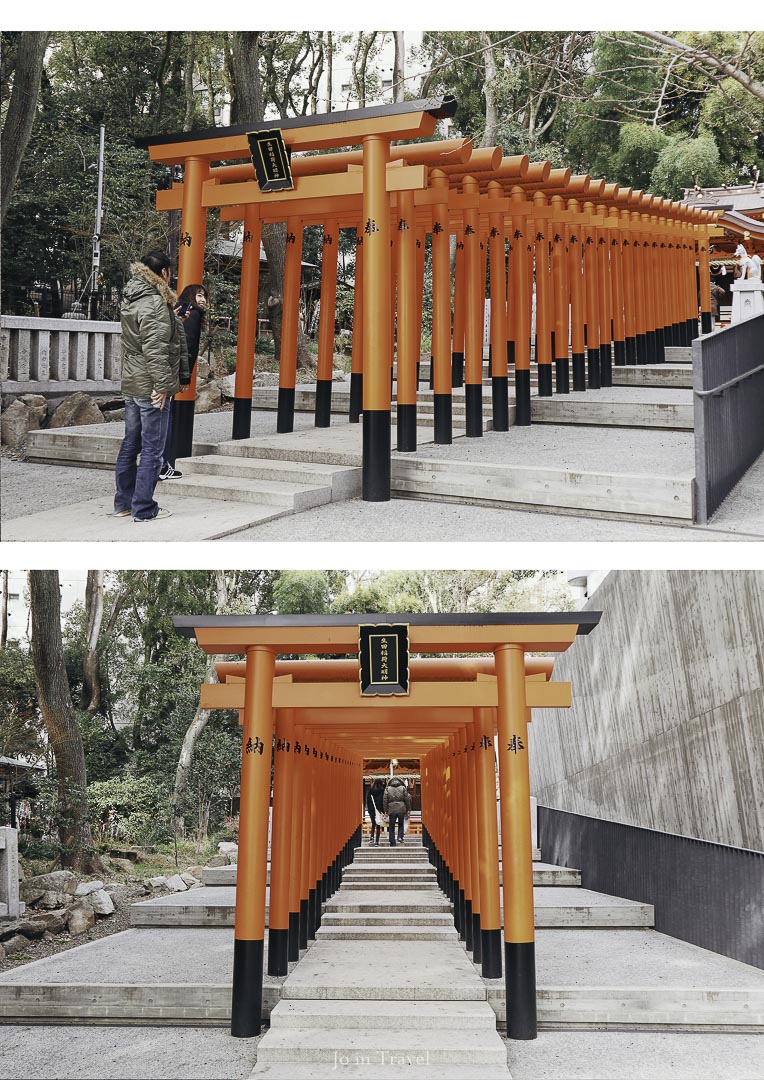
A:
{"x": 383, "y": 658}
{"x": 271, "y": 160}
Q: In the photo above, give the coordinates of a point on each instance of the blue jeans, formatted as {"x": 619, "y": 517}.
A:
{"x": 168, "y": 458}
{"x": 145, "y": 434}
{"x": 393, "y": 818}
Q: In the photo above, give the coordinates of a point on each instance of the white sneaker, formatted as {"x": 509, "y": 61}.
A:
{"x": 159, "y": 514}
{"x": 169, "y": 473}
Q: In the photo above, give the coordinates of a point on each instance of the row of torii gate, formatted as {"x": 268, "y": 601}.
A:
{"x": 614, "y": 271}
{"x": 307, "y": 723}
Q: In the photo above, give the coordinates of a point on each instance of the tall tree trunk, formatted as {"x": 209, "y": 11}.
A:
{"x": 60, "y": 722}
{"x": 188, "y": 79}
{"x": 21, "y": 110}
{"x": 329, "y": 69}
{"x": 201, "y": 717}
{"x": 245, "y": 50}
{"x": 490, "y": 135}
{"x": 91, "y": 673}
{"x": 399, "y": 65}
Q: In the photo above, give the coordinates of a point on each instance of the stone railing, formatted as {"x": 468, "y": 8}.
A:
{"x": 55, "y": 355}
{"x": 10, "y": 906}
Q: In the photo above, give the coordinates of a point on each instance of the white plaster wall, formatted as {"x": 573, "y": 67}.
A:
{"x": 667, "y": 725}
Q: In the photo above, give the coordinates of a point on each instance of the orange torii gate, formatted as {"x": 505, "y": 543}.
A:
{"x": 612, "y": 270}
{"x": 315, "y": 720}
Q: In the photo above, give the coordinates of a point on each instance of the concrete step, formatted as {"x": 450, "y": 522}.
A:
{"x": 470, "y": 482}
{"x": 356, "y": 1069}
{"x": 333, "y": 931}
{"x": 586, "y": 409}
{"x": 368, "y": 1015}
{"x": 344, "y": 481}
{"x": 385, "y": 918}
{"x": 417, "y": 870}
{"x": 675, "y": 375}
{"x": 295, "y": 497}
{"x": 560, "y": 907}
{"x": 398, "y": 1041}
{"x": 96, "y": 445}
{"x": 390, "y": 901}
{"x": 381, "y": 881}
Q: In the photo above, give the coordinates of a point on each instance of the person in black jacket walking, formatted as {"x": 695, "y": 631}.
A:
{"x": 190, "y": 309}
{"x": 396, "y": 803}
{"x": 374, "y": 806}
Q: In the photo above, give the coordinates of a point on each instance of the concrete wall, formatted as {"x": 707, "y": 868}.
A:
{"x": 38, "y": 353}
{"x": 667, "y": 725}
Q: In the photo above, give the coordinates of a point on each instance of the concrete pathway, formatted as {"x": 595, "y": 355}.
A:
{"x": 394, "y": 993}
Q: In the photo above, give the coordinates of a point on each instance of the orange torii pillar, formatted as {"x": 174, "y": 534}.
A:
{"x": 442, "y": 357}
{"x": 421, "y": 245}
{"x": 629, "y": 287}
{"x": 281, "y": 852}
{"x": 522, "y": 252}
{"x": 326, "y": 318}
{"x": 356, "y": 359}
{"x": 605, "y": 307}
{"x": 409, "y": 328}
{"x": 296, "y": 841}
{"x": 474, "y": 838}
{"x": 704, "y": 270}
{"x": 488, "y": 839}
{"x": 474, "y": 287}
{"x": 193, "y": 237}
{"x": 498, "y": 275}
{"x": 560, "y": 299}
{"x": 592, "y": 298}
{"x": 377, "y": 339}
{"x": 543, "y": 297}
{"x": 247, "y": 335}
{"x": 460, "y": 310}
{"x": 249, "y": 933}
{"x": 290, "y": 314}
{"x": 577, "y": 311}
{"x": 616, "y": 266}
{"x": 516, "y": 843}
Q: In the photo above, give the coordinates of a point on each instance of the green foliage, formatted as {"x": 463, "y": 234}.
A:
{"x": 683, "y": 163}
{"x": 141, "y": 805}
{"x": 301, "y": 592}
{"x": 106, "y": 751}
{"x": 20, "y": 723}
{"x": 735, "y": 121}
{"x": 639, "y": 147}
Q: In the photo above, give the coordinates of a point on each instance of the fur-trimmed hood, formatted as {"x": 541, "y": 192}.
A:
{"x": 154, "y": 281}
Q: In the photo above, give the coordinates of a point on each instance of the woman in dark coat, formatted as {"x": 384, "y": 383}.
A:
{"x": 190, "y": 309}
{"x": 374, "y": 806}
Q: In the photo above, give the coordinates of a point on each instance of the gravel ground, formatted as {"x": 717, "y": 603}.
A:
{"x": 52, "y": 944}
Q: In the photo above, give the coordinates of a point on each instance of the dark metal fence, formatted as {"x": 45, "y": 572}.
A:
{"x": 728, "y": 382}
{"x": 708, "y": 894}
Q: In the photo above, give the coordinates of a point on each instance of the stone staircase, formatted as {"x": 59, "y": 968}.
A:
{"x": 386, "y": 987}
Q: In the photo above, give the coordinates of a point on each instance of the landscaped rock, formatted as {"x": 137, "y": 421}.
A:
{"x": 81, "y": 918}
{"x": 115, "y": 414}
{"x": 116, "y": 886}
{"x": 61, "y": 881}
{"x": 50, "y": 900}
{"x": 189, "y": 879}
{"x": 18, "y": 419}
{"x": 2, "y": 952}
{"x": 155, "y": 882}
{"x": 227, "y": 846}
{"x": 208, "y": 397}
{"x": 87, "y": 887}
{"x": 227, "y": 385}
{"x": 15, "y": 944}
{"x": 125, "y": 865}
{"x": 37, "y": 403}
{"x": 77, "y": 409}
{"x": 195, "y": 871}
{"x": 217, "y": 860}
{"x": 51, "y": 921}
{"x": 101, "y": 902}
{"x": 30, "y": 928}
{"x": 176, "y": 883}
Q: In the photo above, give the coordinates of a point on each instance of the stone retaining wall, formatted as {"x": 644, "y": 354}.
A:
{"x": 34, "y": 352}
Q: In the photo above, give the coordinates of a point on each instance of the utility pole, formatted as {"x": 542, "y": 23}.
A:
{"x": 97, "y": 234}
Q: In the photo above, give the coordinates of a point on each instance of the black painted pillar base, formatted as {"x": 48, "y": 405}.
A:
{"x": 642, "y": 349}
{"x": 323, "y": 402}
{"x": 652, "y": 347}
{"x": 405, "y": 424}
{"x": 490, "y": 943}
{"x": 293, "y": 948}
{"x": 454, "y": 894}
{"x": 457, "y": 369}
{"x": 545, "y": 380}
{"x": 278, "y": 951}
{"x": 304, "y": 924}
{"x": 705, "y": 322}
{"x": 356, "y": 396}
{"x": 692, "y": 330}
{"x": 631, "y": 351}
{"x": 500, "y": 402}
{"x": 660, "y": 346}
{"x": 477, "y": 941}
{"x": 510, "y": 353}
{"x": 579, "y": 373}
{"x": 247, "y": 995}
{"x": 677, "y": 335}
{"x": 522, "y": 398}
{"x": 376, "y": 455}
{"x": 562, "y": 376}
{"x": 431, "y": 380}
{"x": 182, "y": 443}
{"x": 468, "y": 925}
{"x": 462, "y": 901}
{"x": 520, "y": 979}
{"x": 242, "y": 418}
{"x": 443, "y": 410}
{"x": 473, "y": 401}
{"x": 619, "y": 358}
{"x": 606, "y": 365}
{"x": 285, "y": 414}
{"x": 593, "y": 360}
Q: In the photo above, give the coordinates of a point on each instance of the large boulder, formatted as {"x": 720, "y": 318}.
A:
{"x": 87, "y": 887}
{"x": 155, "y": 883}
{"x": 81, "y": 918}
{"x": 15, "y": 944}
{"x": 125, "y": 865}
{"x": 208, "y": 397}
{"x": 227, "y": 385}
{"x": 17, "y": 421}
{"x": 101, "y": 902}
{"x": 195, "y": 871}
{"x": 51, "y": 900}
{"x": 52, "y": 922}
{"x": 75, "y": 410}
{"x": 189, "y": 879}
{"x": 217, "y": 860}
{"x": 30, "y": 928}
{"x": 226, "y": 847}
{"x": 58, "y": 881}
{"x": 176, "y": 883}
{"x": 38, "y": 405}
